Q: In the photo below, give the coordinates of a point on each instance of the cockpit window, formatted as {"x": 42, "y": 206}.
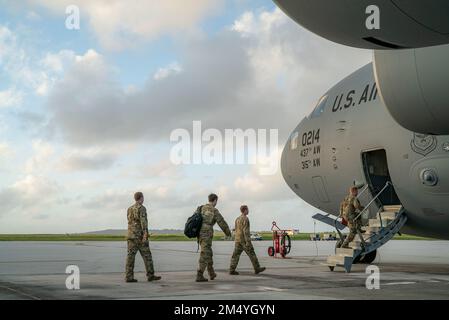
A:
{"x": 320, "y": 107}
{"x": 294, "y": 140}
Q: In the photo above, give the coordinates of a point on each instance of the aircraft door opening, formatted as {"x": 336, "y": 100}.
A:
{"x": 376, "y": 171}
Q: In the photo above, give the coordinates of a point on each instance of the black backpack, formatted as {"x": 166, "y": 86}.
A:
{"x": 193, "y": 224}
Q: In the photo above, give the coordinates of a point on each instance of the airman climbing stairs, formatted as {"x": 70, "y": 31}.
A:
{"x": 388, "y": 222}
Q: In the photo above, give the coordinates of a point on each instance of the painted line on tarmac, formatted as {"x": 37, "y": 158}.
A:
{"x": 20, "y": 292}
{"x": 399, "y": 283}
{"x": 38, "y": 261}
{"x": 271, "y": 289}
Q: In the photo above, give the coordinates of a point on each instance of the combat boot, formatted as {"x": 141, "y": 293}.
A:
{"x": 200, "y": 277}
{"x": 131, "y": 280}
{"x": 154, "y": 278}
{"x": 259, "y": 270}
{"x": 234, "y": 273}
{"x": 212, "y": 274}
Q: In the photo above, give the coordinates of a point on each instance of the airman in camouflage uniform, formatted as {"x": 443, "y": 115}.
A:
{"x": 243, "y": 243}
{"x": 349, "y": 210}
{"x": 138, "y": 240}
{"x": 211, "y": 215}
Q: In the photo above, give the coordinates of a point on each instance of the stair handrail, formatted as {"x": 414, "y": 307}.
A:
{"x": 400, "y": 217}
{"x": 365, "y": 187}
{"x": 372, "y": 200}
{"x": 363, "y": 190}
{"x": 367, "y": 206}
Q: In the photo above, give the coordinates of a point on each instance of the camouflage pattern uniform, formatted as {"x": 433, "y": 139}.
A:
{"x": 243, "y": 243}
{"x": 137, "y": 227}
{"x": 211, "y": 216}
{"x": 350, "y": 205}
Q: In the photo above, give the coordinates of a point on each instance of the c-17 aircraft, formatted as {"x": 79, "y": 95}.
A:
{"x": 385, "y": 127}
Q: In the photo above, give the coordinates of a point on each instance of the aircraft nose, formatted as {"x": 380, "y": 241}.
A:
{"x": 290, "y": 158}
{"x": 285, "y": 160}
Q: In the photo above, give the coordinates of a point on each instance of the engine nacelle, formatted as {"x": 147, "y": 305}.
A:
{"x": 403, "y": 23}
{"x": 414, "y": 85}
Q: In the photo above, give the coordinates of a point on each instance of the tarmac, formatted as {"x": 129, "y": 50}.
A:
{"x": 36, "y": 270}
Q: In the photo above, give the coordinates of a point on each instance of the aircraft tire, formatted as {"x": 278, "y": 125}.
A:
{"x": 369, "y": 257}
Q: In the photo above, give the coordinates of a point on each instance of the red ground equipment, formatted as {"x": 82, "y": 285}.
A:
{"x": 282, "y": 243}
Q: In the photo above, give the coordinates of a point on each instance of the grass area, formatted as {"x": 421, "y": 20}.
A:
{"x": 59, "y": 237}
{"x": 410, "y": 237}
{"x": 156, "y": 237}
{"x": 300, "y": 236}
{"x": 306, "y": 236}
{"x": 84, "y": 237}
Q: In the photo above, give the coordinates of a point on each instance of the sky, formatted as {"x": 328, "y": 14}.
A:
{"x": 86, "y": 114}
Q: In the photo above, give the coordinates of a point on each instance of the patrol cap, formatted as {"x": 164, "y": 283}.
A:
{"x": 138, "y": 195}
{"x": 212, "y": 197}
{"x": 353, "y": 189}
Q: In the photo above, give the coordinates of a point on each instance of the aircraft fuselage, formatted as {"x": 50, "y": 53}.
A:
{"x": 342, "y": 142}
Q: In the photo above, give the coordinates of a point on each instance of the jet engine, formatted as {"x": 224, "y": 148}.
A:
{"x": 413, "y": 84}
{"x": 401, "y": 23}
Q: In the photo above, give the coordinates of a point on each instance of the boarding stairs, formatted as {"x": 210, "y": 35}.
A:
{"x": 388, "y": 222}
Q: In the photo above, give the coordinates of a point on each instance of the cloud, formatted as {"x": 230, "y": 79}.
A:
{"x": 163, "y": 168}
{"x": 32, "y": 193}
{"x": 120, "y": 24}
{"x": 172, "y": 69}
{"x": 57, "y": 62}
{"x": 10, "y": 98}
{"x": 5, "y": 150}
{"x": 45, "y": 158}
{"x": 49, "y": 69}
{"x": 42, "y": 158}
{"x": 33, "y": 16}
{"x": 7, "y": 42}
{"x": 261, "y": 188}
{"x": 32, "y": 188}
{"x": 90, "y": 159}
{"x": 26, "y": 70}
{"x": 30, "y": 120}
{"x": 262, "y": 72}
{"x": 116, "y": 199}
{"x": 15, "y": 63}
{"x": 91, "y": 108}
